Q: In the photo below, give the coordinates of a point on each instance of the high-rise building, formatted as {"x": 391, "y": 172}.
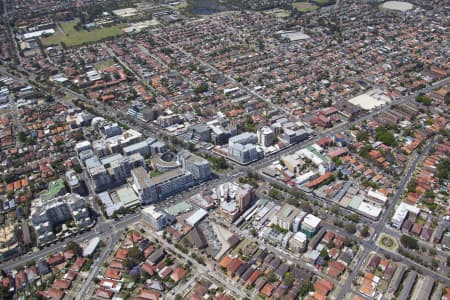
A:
{"x": 142, "y": 185}
{"x": 198, "y": 166}
{"x": 45, "y": 215}
{"x": 265, "y": 136}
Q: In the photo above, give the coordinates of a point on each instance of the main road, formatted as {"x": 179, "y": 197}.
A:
{"x": 381, "y": 225}
{"x": 102, "y": 230}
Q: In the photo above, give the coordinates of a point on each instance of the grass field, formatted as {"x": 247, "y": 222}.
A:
{"x": 277, "y": 12}
{"x": 71, "y": 37}
{"x": 104, "y": 64}
{"x": 304, "y": 6}
{"x": 321, "y": 2}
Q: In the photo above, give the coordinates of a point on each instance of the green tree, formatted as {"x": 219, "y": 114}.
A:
{"x": 75, "y": 247}
{"x": 134, "y": 257}
{"x": 350, "y": 228}
{"x": 362, "y": 136}
{"x": 409, "y": 242}
{"x": 276, "y": 194}
{"x": 365, "y": 231}
{"x": 383, "y": 135}
{"x": 306, "y": 287}
{"x": 354, "y": 218}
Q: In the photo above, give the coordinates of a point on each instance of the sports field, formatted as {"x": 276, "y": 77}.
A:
{"x": 304, "y": 6}
{"x": 68, "y": 35}
{"x": 321, "y": 2}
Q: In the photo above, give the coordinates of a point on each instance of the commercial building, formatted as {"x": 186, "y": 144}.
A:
{"x": 170, "y": 183}
{"x": 81, "y": 146}
{"x": 157, "y": 219}
{"x": 142, "y": 148}
{"x": 127, "y": 197}
{"x": 310, "y": 225}
{"x": 108, "y": 130}
{"x": 242, "y": 148}
{"x": 285, "y": 216}
{"x": 200, "y": 132}
{"x": 112, "y": 170}
{"x": 142, "y": 185}
{"x": 293, "y": 162}
{"x": 45, "y": 215}
{"x": 74, "y": 182}
{"x": 164, "y": 162}
{"x": 196, "y": 217}
{"x": 401, "y": 213}
{"x": 198, "y": 166}
{"x": 109, "y": 206}
{"x": 298, "y": 242}
{"x": 234, "y": 199}
{"x": 89, "y": 249}
{"x": 265, "y": 136}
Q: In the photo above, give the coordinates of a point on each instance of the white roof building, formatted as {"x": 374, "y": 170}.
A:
{"x": 377, "y": 196}
{"x": 196, "y": 217}
{"x": 402, "y": 212}
{"x": 91, "y": 246}
{"x": 311, "y": 222}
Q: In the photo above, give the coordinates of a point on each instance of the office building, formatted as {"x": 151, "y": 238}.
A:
{"x": 286, "y": 215}
{"x": 157, "y": 219}
{"x": 198, "y": 166}
{"x": 73, "y": 181}
{"x": 242, "y": 148}
{"x": 170, "y": 183}
{"x": 142, "y": 185}
{"x": 234, "y": 199}
{"x": 294, "y": 136}
{"x": 298, "y": 242}
{"x": 265, "y": 136}
{"x": 310, "y": 225}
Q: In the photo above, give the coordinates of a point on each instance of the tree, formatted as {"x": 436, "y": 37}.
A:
{"x": 362, "y": 136}
{"x": 22, "y": 136}
{"x": 134, "y": 257}
{"x": 350, "y": 228}
{"x": 354, "y": 218}
{"x": 4, "y": 292}
{"x": 365, "y": 231}
{"x": 276, "y": 194}
{"x": 409, "y": 242}
{"x": 382, "y": 134}
{"x": 306, "y": 287}
{"x": 75, "y": 247}
{"x": 324, "y": 253}
{"x": 337, "y": 161}
{"x": 334, "y": 208}
{"x": 306, "y": 207}
{"x": 201, "y": 88}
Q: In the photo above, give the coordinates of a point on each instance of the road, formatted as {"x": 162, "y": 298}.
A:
{"x": 381, "y": 225}
{"x": 209, "y": 270}
{"x": 101, "y": 230}
{"x": 110, "y": 243}
{"x": 240, "y": 85}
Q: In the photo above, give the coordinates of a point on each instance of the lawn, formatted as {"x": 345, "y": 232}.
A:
{"x": 279, "y": 13}
{"x": 387, "y": 241}
{"x": 104, "y": 64}
{"x": 304, "y": 6}
{"x": 321, "y": 2}
{"x": 71, "y": 37}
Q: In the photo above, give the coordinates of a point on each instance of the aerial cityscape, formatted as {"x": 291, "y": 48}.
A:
{"x": 225, "y": 149}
